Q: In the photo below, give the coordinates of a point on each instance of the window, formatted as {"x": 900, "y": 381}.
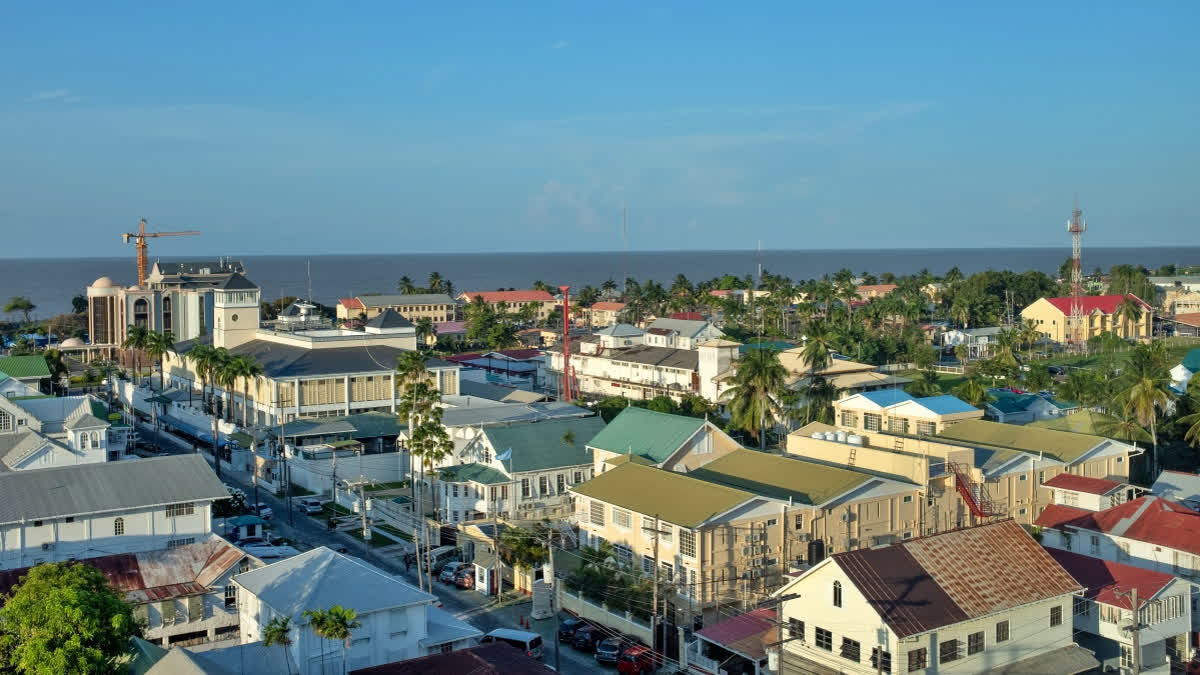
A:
{"x": 849, "y": 418}
{"x": 1067, "y": 498}
{"x": 837, "y": 594}
{"x": 948, "y": 651}
{"x": 1002, "y": 631}
{"x": 1056, "y": 616}
{"x": 851, "y": 650}
{"x": 871, "y": 421}
{"x": 69, "y": 519}
{"x": 597, "y": 513}
{"x": 1081, "y": 607}
{"x": 974, "y": 643}
{"x": 1094, "y": 544}
{"x": 37, "y": 523}
{"x": 167, "y": 609}
{"x": 118, "y": 527}
{"x": 687, "y": 543}
{"x": 454, "y": 516}
{"x": 1023, "y": 478}
{"x": 5, "y": 422}
{"x": 668, "y": 571}
{"x": 796, "y": 629}
{"x": 543, "y": 486}
{"x": 578, "y": 477}
{"x": 1066, "y": 540}
{"x": 799, "y": 521}
{"x": 183, "y": 509}
{"x": 907, "y": 499}
{"x": 898, "y": 425}
{"x": 647, "y": 564}
{"x": 176, "y": 543}
{"x": 621, "y": 518}
{"x": 230, "y": 596}
{"x": 926, "y": 428}
{"x": 918, "y": 659}
{"x": 562, "y": 483}
{"x": 772, "y": 522}
{"x": 886, "y": 666}
{"x": 1126, "y": 656}
{"x": 525, "y": 489}
{"x": 824, "y": 639}
{"x": 454, "y": 490}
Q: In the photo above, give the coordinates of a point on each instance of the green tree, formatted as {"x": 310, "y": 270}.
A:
{"x": 79, "y": 304}
{"x": 502, "y": 335}
{"x": 246, "y": 369}
{"x": 136, "y": 339}
{"x": 406, "y": 285}
{"x": 20, "y": 304}
{"x": 436, "y": 283}
{"x": 425, "y": 330}
{"x": 66, "y": 618}
{"x": 339, "y": 625}
{"x": 278, "y": 632}
{"x": 973, "y": 391}
{"x": 663, "y": 404}
{"x": 1192, "y": 422}
{"x": 54, "y": 361}
{"x": 157, "y": 346}
{"x": 1128, "y": 311}
{"x": 610, "y": 407}
{"x": 480, "y": 319}
{"x": 318, "y": 623}
{"x": 926, "y": 384}
{"x": 1038, "y": 378}
{"x": 1146, "y": 391}
{"x": 754, "y": 397}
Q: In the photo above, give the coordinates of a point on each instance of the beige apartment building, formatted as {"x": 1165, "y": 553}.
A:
{"x": 974, "y": 471}
{"x": 1051, "y": 315}
{"x": 437, "y": 307}
{"x": 729, "y": 530}
{"x": 900, "y": 412}
{"x": 603, "y": 314}
{"x": 512, "y": 302}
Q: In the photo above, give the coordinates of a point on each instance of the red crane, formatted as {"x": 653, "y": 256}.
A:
{"x": 140, "y": 238}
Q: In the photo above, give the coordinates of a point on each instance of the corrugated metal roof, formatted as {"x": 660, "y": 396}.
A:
{"x": 1103, "y": 579}
{"x": 24, "y": 366}
{"x": 1094, "y": 486}
{"x": 676, "y": 498}
{"x": 540, "y": 445}
{"x": 1064, "y": 446}
{"x": 397, "y": 300}
{"x": 388, "y": 318}
{"x": 109, "y": 486}
{"x": 781, "y": 477}
{"x": 946, "y": 404}
{"x": 1150, "y": 519}
{"x": 742, "y": 633}
{"x": 646, "y": 433}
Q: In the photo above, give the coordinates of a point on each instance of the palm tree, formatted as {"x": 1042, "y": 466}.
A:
{"x": 217, "y": 372}
{"x": 157, "y": 346}
{"x": 818, "y": 343}
{"x": 202, "y": 357}
{"x": 278, "y": 631}
{"x": 1123, "y": 428}
{"x": 1146, "y": 381}
{"x": 406, "y": 285}
{"x": 1128, "y": 310}
{"x": 340, "y": 623}
{"x": 925, "y": 385}
{"x": 318, "y": 622}
{"x": 435, "y": 282}
{"x": 973, "y": 391}
{"x": 758, "y": 383}
{"x": 246, "y": 369}
{"x": 540, "y": 285}
{"x": 609, "y": 286}
{"x": 136, "y": 339}
{"x": 1192, "y": 435}
{"x": 425, "y": 329}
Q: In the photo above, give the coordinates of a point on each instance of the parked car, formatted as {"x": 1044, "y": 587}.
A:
{"x": 446, "y": 576}
{"x": 530, "y": 643}
{"x": 609, "y": 648}
{"x": 309, "y": 505}
{"x": 585, "y": 638}
{"x": 465, "y": 577}
{"x": 566, "y": 629}
{"x": 636, "y": 660}
{"x": 265, "y": 512}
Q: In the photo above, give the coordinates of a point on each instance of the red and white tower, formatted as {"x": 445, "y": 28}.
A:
{"x": 1075, "y": 323}
{"x": 567, "y": 374}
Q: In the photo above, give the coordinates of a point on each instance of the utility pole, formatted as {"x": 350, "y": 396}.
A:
{"x": 549, "y": 567}
{"x": 656, "y": 533}
{"x": 1134, "y": 629}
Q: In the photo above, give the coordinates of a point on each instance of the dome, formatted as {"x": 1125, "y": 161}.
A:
{"x": 135, "y": 287}
{"x": 72, "y": 342}
{"x": 103, "y": 282}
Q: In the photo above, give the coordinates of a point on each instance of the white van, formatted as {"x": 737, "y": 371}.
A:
{"x": 441, "y": 555}
{"x": 310, "y": 505}
{"x": 530, "y": 643}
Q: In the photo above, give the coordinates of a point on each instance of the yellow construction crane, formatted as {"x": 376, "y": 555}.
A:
{"x": 140, "y": 238}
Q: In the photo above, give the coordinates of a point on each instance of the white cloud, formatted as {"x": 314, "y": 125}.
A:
{"x": 560, "y": 44}
{"x": 50, "y": 95}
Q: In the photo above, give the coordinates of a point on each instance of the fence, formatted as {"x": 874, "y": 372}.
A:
{"x": 622, "y": 622}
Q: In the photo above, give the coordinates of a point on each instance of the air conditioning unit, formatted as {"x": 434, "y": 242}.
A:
{"x": 803, "y": 538}
{"x": 47, "y": 545}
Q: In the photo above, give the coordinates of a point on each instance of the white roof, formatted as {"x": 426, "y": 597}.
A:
{"x": 323, "y": 578}
{"x": 1177, "y": 486}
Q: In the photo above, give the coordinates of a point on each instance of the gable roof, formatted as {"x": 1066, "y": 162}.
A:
{"x": 16, "y": 448}
{"x": 1103, "y": 579}
{"x": 886, "y": 397}
{"x": 540, "y": 445}
{"x": 322, "y": 578}
{"x": 676, "y": 498}
{"x": 280, "y": 360}
{"x": 1191, "y": 361}
{"x": 398, "y": 299}
{"x": 508, "y": 296}
{"x": 496, "y": 658}
{"x": 945, "y": 404}
{"x": 472, "y": 473}
{"x": 1177, "y": 486}
{"x": 1150, "y": 519}
{"x": 743, "y": 633}
{"x": 646, "y": 433}
{"x": 1105, "y": 304}
{"x": 24, "y": 366}
{"x": 237, "y": 282}
{"x": 388, "y": 318}
{"x": 108, "y": 486}
{"x": 608, "y": 306}
{"x": 1064, "y": 446}
{"x": 666, "y": 357}
{"x": 350, "y": 303}
{"x": 780, "y": 477}
{"x": 923, "y": 584}
{"x": 507, "y": 413}
{"x": 1092, "y": 486}
{"x": 688, "y": 328}
{"x": 621, "y": 330}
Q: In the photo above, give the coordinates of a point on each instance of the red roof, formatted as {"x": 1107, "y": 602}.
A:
{"x": 1190, "y": 319}
{"x": 1092, "y": 486}
{"x": 609, "y": 306}
{"x": 351, "y": 303}
{"x": 688, "y": 316}
{"x": 1106, "y": 304}
{"x": 509, "y": 296}
{"x": 743, "y": 633}
{"x": 719, "y": 293}
{"x": 1104, "y": 579}
{"x": 1150, "y": 519}
{"x": 882, "y": 289}
{"x": 450, "y": 327}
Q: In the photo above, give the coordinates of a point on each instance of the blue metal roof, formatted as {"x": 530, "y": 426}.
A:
{"x": 886, "y": 397}
{"x": 946, "y": 404}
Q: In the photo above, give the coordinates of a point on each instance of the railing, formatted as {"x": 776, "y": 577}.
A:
{"x": 972, "y": 493}
{"x": 696, "y": 660}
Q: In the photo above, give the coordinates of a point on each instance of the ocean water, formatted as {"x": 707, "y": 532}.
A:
{"x": 51, "y": 283}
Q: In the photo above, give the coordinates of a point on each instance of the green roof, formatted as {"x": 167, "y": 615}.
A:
{"x": 344, "y": 444}
{"x": 780, "y": 477}
{"x": 24, "y": 366}
{"x": 650, "y": 434}
{"x": 674, "y": 497}
{"x": 472, "y": 473}
{"x": 539, "y": 445}
{"x": 98, "y": 408}
{"x": 375, "y": 424}
{"x": 1063, "y": 446}
{"x": 1008, "y": 402}
{"x": 1191, "y": 361}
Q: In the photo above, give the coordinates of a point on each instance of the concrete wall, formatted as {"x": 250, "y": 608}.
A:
{"x": 599, "y": 614}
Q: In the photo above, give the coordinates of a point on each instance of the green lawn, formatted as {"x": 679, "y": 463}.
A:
{"x": 376, "y": 538}
{"x": 947, "y": 381}
{"x": 331, "y": 509}
{"x": 391, "y": 530}
{"x": 297, "y": 491}
{"x": 376, "y": 487}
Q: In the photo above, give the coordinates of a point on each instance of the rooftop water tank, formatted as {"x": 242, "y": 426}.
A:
{"x": 819, "y": 435}
{"x": 855, "y": 439}
{"x": 830, "y": 436}
{"x": 841, "y": 436}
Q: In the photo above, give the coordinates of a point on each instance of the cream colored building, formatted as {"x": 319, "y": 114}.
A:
{"x": 511, "y": 302}
{"x": 898, "y": 411}
{"x": 603, "y": 314}
{"x": 1051, "y": 315}
{"x": 730, "y": 529}
{"x": 438, "y": 307}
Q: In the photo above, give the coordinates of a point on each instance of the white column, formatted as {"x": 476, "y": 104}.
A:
{"x": 393, "y": 396}
{"x": 346, "y": 384}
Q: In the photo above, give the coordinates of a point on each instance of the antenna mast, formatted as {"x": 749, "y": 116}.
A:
{"x": 1076, "y": 226}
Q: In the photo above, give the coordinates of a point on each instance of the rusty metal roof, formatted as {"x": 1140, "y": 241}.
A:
{"x": 930, "y": 582}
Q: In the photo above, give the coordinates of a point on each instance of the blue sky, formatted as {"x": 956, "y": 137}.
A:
{"x": 363, "y": 127}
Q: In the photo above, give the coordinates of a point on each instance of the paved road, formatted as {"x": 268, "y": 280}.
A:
{"x": 469, "y": 606}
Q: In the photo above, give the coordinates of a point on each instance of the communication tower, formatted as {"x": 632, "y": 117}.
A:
{"x": 1076, "y": 334}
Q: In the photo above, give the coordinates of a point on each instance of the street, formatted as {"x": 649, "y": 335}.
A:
{"x": 307, "y": 532}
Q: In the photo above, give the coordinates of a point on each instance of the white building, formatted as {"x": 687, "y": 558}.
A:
{"x": 979, "y": 341}
{"x": 644, "y": 370}
{"x": 88, "y": 510}
{"x": 40, "y": 433}
{"x": 1093, "y": 494}
{"x": 974, "y": 600}
{"x": 680, "y": 333}
{"x": 1105, "y": 612}
{"x": 398, "y": 621}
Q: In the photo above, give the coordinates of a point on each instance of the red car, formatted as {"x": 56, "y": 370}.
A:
{"x": 636, "y": 660}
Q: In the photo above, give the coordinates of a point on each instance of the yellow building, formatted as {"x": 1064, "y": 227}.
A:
{"x": 511, "y": 302}
{"x": 437, "y": 307}
{"x": 603, "y": 314}
{"x": 1101, "y": 315}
